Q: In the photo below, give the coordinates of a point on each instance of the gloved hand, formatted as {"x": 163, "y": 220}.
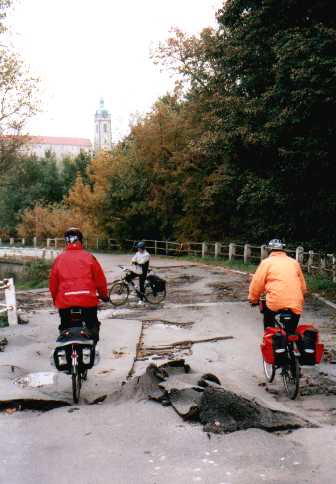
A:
{"x": 252, "y": 303}
{"x": 105, "y": 298}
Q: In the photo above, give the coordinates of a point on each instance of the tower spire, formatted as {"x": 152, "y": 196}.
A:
{"x": 103, "y": 131}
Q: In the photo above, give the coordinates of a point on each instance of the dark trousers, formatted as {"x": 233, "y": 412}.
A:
{"x": 269, "y": 319}
{"x": 71, "y": 317}
{"x": 142, "y": 278}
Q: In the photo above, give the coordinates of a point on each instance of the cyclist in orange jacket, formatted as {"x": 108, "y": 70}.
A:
{"x": 280, "y": 278}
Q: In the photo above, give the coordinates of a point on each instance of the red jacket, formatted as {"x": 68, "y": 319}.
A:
{"x": 75, "y": 279}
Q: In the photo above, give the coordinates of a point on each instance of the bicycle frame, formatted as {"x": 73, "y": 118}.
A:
{"x": 74, "y": 358}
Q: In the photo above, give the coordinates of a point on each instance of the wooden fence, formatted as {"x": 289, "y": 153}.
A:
{"x": 311, "y": 261}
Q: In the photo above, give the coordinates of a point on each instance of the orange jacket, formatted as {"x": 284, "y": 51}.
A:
{"x": 281, "y": 278}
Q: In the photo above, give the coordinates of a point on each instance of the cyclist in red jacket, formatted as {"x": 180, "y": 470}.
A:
{"x": 77, "y": 281}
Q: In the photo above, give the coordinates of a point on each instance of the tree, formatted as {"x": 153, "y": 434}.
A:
{"x": 18, "y": 96}
{"x": 52, "y": 220}
{"x": 71, "y": 168}
{"x": 276, "y": 78}
{"x": 40, "y": 182}
{"x": 268, "y": 97}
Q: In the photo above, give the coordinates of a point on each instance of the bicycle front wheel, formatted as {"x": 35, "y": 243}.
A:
{"x": 76, "y": 385}
{"x": 291, "y": 377}
{"x": 119, "y": 293}
{"x": 152, "y": 296}
{"x": 269, "y": 371}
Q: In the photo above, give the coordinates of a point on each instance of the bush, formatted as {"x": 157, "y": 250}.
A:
{"x": 36, "y": 275}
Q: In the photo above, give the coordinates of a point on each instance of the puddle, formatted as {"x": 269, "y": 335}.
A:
{"x": 36, "y": 380}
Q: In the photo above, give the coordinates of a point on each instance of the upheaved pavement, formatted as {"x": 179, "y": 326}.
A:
{"x": 206, "y": 321}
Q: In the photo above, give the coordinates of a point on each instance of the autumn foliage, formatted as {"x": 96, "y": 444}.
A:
{"x": 244, "y": 148}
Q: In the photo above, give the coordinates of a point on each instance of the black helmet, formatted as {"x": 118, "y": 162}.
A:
{"x": 276, "y": 244}
{"x": 141, "y": 245}
{"x": 72, "y": 235}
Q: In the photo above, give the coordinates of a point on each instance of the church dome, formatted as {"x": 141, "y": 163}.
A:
{"x": 102, "y": 111}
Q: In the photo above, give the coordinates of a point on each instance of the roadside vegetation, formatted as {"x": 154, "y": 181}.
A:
{"x": 34, "y": 274}
{"x": 316, "y": 283}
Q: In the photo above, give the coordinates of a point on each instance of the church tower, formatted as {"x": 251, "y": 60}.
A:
{"x": 103, "y": 132}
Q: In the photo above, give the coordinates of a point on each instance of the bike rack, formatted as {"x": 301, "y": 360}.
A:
{"x": 10, "y": 301}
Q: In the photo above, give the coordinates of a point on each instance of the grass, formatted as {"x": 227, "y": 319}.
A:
{"x": 231, "y": 264}
{"x": 324, "y": 286}
{"x": 316, "y": 283}
{"x": 35, "y": 275}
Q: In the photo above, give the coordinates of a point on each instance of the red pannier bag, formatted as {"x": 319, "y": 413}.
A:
{"x": 273, "y": 346}
{"x": 310, "y": 347}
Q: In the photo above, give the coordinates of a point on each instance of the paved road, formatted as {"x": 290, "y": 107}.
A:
{"x": 144, "y": 442}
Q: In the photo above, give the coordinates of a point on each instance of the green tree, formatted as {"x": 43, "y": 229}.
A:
{"x": 72, "y": 167}
{"x": 34, "y": 181}
{"x": 267, "y": 94}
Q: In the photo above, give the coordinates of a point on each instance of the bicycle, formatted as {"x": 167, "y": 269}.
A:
{"x": 120, "y": 289}
{"x": 75, "y": 353}
{"x": 288, "y": 359}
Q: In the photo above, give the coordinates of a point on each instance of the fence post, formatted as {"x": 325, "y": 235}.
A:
{"x": 166, "y": 247}
{"x": 48, "y": 243}
{"x": 247, "y": 253}
{"x": 0, "y": 241}
{"x": 232, "y": 251}
{"x": 11, "y": 241}
{"x": 217, "y": 249}
{"x": 35, "y": 242}
{"x": 310, "y": 261}
{"x": 23, "y": 241}
{"x": 11, "y": 303}
{"x": 155, "y": 247}
{"x": 299, "y": 254}
{"x": 263, "y": 252}
{"x": 333, "y": 261}
{"x": 323, "y": 264}
{"x": 97, "y": 243}
{"x": 204, "y": 249}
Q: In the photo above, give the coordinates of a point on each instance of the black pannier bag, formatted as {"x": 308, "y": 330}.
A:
{"x": 84, "y": 345}
{"x": 307, "y": 345}
{"x": 158, "y": 284}
{"x": 279, "y": 343}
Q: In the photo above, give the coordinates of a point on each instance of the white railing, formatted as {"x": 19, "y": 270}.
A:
{"x": 10, "y": 301}
{"x": 311, "y": 261}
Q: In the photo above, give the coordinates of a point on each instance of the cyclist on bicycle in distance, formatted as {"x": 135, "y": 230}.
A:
{"x": 281, "y": 278}
{"x": 76, "y": 282}
{"x": 140, "y": 261}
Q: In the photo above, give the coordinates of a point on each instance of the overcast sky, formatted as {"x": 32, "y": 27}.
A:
{"x": 83, "y": 50}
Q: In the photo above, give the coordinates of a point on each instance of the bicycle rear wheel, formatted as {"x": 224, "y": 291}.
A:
{"x": 119, "y": 293}
{"x": 291, "y": 377}
{"x": 269, "y": 371}
{"x": 152, "y": 296}
{"x": 76, "y": 385}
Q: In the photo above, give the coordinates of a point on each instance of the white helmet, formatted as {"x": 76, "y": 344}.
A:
{"x": 276, "y": 244}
